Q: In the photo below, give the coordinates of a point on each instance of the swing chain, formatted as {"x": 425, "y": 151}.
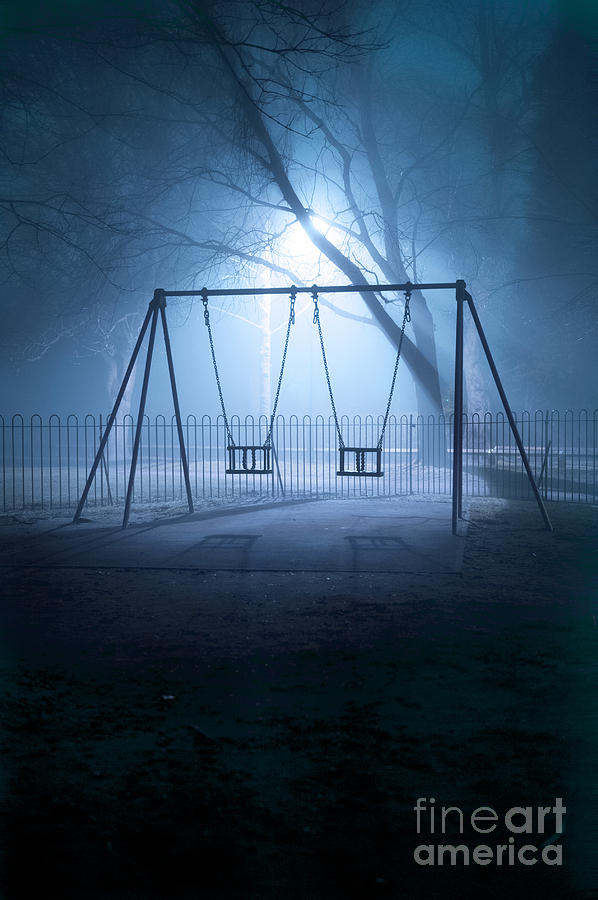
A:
{"x": 314, "y": 295}
{"x": 293, "y": 296}
{"x": 406, "y": 318}
{"x": 206, "y": 317}
{"x": 268, "y": 441}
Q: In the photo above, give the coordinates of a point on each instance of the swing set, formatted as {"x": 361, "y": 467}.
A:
{"x": 257, "y": 459}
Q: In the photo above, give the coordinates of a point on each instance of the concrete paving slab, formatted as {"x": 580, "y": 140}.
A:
{"x": 357, "y": 535}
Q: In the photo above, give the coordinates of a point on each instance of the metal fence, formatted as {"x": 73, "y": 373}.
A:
{"x": 45, "y": 462}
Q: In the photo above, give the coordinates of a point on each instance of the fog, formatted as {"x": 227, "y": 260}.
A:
{"x": 250, "y": 661}
{"x": 245, "y": 145}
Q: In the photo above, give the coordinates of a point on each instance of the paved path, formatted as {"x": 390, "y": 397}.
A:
{"x": 334, "y": 535}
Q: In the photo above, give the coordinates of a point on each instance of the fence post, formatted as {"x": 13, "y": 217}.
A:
{"x": 410, "y": 453}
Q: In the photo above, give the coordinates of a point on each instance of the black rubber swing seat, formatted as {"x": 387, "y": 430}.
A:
{"x": 249, "y": 459}
{"x": 365, "y": 467}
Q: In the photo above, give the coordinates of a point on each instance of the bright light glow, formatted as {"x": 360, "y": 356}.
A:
{"x": 296, "y": 244}
{"x": 297, "y": 253}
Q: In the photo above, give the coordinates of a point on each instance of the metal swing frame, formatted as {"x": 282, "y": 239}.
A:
{"x": 157, "y": 309}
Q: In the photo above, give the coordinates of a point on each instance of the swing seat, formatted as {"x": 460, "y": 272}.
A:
{"x": 364, "y": 467}
{"x": 248, "y": 459}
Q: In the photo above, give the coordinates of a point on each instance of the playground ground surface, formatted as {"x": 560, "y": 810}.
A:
{"x": 247, "y": 703}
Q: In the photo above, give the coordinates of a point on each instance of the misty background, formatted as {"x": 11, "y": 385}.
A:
{"x": 185, "y": 144}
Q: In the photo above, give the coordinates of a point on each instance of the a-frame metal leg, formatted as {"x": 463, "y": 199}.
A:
{"x": 507, "y": 409}
{"x": 104, "y": 470}
{"x": 275, "y": 458}
{"x": 100, "y": 453}
{"x": 146, "y": 373}
{"x": 157, "y": 307}
{"x": 458, "y": 411}
{"x": 175, "y": 399}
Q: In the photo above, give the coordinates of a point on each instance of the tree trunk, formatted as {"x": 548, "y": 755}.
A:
{"x": 476, "y": 397}
{"x": 266, "y": 356}
{"x": 117, "y": 362}
{"x": 421, "y": 364}
{"x": 428, "y": 393}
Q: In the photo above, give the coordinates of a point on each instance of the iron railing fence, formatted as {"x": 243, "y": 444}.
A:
{"x": 44, "y": 463}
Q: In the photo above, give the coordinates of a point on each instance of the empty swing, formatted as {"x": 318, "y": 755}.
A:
{"x": 367, "y": 461}
{"x": 249, "y": 459}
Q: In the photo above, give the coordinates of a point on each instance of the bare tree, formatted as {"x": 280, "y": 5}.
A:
{"x": 248, "y": 121}
{"x": 208, "y": 133}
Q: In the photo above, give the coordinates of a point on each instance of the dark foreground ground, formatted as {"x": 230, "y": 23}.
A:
{"x": 192, "y": 734}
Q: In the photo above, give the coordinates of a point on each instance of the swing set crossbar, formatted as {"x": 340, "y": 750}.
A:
{"x": 325, "y": 289}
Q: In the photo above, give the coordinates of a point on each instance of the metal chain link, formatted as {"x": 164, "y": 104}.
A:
{"x": 316, "y": 320}
{"x": 268, "y": 441}
{"x": 406, "y": 318}
{"x": 206, "y": 317}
